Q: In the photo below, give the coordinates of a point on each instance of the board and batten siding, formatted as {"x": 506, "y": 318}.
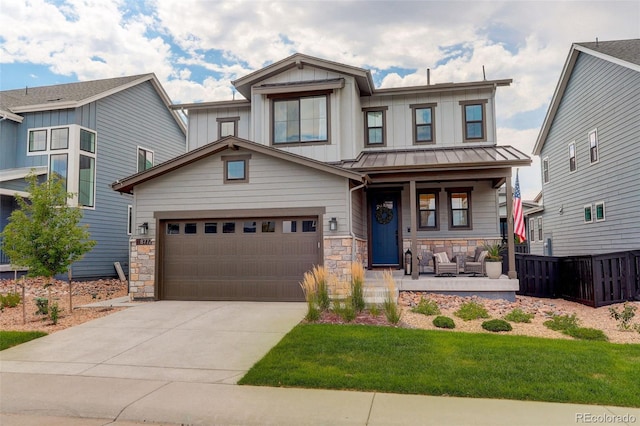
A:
{"x": 203, "y": 124}
{"x": 604, "y": 96}
{"x": 8, "y": 145}
{"x": 123, "y": 121}
{"x": 273, "y": 183}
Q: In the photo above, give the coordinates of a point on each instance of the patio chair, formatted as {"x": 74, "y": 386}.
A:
{"x": 476, "y": 266}
{"x": 425, "y": 262}
{"x": 443, "y": 265}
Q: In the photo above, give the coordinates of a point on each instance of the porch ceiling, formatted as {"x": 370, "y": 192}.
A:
{"x": 432, "y": 159}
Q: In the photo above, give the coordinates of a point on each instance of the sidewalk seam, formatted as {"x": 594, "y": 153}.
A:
{"x": 371, "y": 408}
{"x": 143, "y": 396}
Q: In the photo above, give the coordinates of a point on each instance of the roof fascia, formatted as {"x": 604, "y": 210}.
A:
{"x": 488, "y": 84}
{"x": 229, "y": 142}
{"x": 213, "y": 105}
{"x": 556, "y": 98}
{"x": 608, "y": 58}
{"x": 10, "y": 116}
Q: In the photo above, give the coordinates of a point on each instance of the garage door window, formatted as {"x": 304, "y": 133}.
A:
{"x": 289, "y": 226}
{"x": 211, "y": 228}
{"x": 308, "y": 226}
{"x": 173, "y": 228}
{"x": 269, "y": 226}
{"x": 190, "y": 228}
{"x": 249, "y": 228}
{"x": 228, "y": 227}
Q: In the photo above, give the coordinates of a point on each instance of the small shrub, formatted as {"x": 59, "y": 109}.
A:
{"x": 54, "y": 312}
{"x": 496, "y": 325}
{"x": 443, "y": 322}
{"x": 471, "y": 310}
{"x": 357, "y": 286}
{"x": 584, "y": 333}
{"x": 313, "y": 313}
{"x": 518, "y": 315}
{"x": 562, "y": 322}
{"x": 624, "y": 318}
{"x": 10, "y": 300}
{"x": 391, "y": 310}
{"x": 345, "y": 309}
{"x": 374, "y": 310}
{"x": 426, "y": 307}
{"x": 42, "y": 303}
{"x": 322, "y": 280}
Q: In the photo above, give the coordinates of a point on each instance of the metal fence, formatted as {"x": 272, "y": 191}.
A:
{"x": 595, "y": 280}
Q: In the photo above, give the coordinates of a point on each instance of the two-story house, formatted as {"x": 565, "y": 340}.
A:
{"x": 90, "y": 134}
{"x": 317, "y": 167}
{"x": 590, "y": 152}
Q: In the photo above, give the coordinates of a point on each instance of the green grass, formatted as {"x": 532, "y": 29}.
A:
{"x": 13, "y": 338}
{"x": 397, "y": 360}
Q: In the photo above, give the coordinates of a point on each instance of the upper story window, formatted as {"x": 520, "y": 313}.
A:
{"x": 227, "y": 126}
{"x": 600, "y": 211}
{"x": 71, "y": 155}
{"x": 532, "y": 230}
{"x": 374, "y": 122}
{"x": 423, "y": 123}
{"x": 539, "y": 229}
{"x": 474, "y": 116}
{"x": 236, "y": 168}
{"x": 593, "y": 146}
{"x": 572, "y": 157}
{"x": 428, "y": 210}
{"x": 545, "y": 170}
{"x": 145, "y": 159}
{"x": 301, "y": 119}
{"x": 459, "y": 208}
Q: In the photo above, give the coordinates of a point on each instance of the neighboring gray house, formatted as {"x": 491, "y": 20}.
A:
{"x": 589, "y": 147}
{"x": 90, "y": 133}
{"x": 318, "y": 167}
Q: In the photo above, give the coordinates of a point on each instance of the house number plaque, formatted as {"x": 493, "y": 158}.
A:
{"x": 144, "y": 242}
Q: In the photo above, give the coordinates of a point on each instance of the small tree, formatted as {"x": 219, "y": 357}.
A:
{"x": 44, "y": 234}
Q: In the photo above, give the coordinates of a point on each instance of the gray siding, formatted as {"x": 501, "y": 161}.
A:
{"x": 123, "y": 121}
{"x": 8, "y": 147}
{"x": 359, "y": 213}
{"x": 273, "y": 184}
{"x": 604, "y": 96}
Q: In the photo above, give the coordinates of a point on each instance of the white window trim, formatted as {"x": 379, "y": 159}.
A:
{"x": 597, "y": 145}
{"x": 590, "y": 206}
{"x": 546, "y": 160}
{"x": 138, "y": 148}
{"x": 595, "y": 211}
{"x": 575, "y": 157}
{"x": 73, "y": 159}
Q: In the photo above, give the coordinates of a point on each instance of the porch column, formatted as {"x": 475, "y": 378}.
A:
{"x": 414, "y": 230}
{"x": 510, "y": 244}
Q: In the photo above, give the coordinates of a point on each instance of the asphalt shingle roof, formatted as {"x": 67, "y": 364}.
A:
{"x": 626, "y": 50}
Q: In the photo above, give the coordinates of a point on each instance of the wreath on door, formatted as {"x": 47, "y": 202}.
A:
{"x": 384, "y": 215}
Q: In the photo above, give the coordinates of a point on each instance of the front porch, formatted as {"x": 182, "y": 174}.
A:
{"x": 375, "y": 290}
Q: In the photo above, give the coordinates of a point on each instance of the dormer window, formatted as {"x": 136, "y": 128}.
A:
{"x": 301, "y": 119}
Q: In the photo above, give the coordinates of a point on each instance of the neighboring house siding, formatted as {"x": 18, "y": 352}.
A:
{"x": 8, "y": 148}
{"x": 203, "y": 125}
{"x": 273, "y": 183}
{"x": 605, "y": 96}
{"x": 128, "y": 119}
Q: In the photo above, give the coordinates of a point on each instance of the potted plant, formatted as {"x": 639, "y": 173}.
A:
{"x": 493, "y": 259}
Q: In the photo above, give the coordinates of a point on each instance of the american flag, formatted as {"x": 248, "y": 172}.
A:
{"x": 518, "y": 218}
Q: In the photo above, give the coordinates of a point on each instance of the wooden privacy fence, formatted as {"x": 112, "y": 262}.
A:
{"x": 595, "y": 280}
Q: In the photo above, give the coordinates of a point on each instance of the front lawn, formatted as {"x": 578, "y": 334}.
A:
{"x": 13, "y": 338}
{"x": 396, "y": 360}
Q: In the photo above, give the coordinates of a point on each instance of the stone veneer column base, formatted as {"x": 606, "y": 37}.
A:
{"x": 142, "y": 264}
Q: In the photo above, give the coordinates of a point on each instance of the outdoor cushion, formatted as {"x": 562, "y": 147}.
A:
{"x": 442, "y": 257}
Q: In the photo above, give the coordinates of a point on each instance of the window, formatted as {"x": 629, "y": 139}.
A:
{"x": 539, "y": 229}
{"x": 289, "y": 226}
{"x": 58, "y": 166}
{"x": 60, "y": 138}
{"x": 190, "y": 228}
{"x": 228, "y": 227}
{"x": 173, "y": 228}
{"x": 593, "y": 146}
{"x": 428, "y": 210}
{"x": 374, "y": 126}
{"x": 211, "y": 228}
{"x": 308, "y": 226}
{"x": 588, "y": 216}
{"x": 302, "y": 119}
{"x": 249, "y": 228}
{"x": 88, "y": 142}
{"x": 474, "y": 121}
{"x": 572, "y": 157}
{"x": 227, "y": 126}
{"x": 145, "y": 159}
{"x": 236, "y": 168}
{"x": 37, "y": 140}
{"x": 459, "y": 208}
{"x": 129, "y": 219}
{"x": 532, "y": 230}
{"x": 600, "y": 211}
{"x": 269, "y": 226}
{"x": 423, "y": 128}
{"x": 86, "y": 181}
{"x": 545, "y": 170}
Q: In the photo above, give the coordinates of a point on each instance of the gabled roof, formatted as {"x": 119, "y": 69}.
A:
{"x": 126, "y": 185}
{"x": 625, "y": 53}
{"x": 74, "y": 95}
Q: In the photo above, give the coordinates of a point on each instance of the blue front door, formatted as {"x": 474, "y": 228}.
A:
{"x": 384, "y": 229}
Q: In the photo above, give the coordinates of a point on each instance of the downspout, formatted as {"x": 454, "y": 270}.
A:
{"x": 350, "y": 209}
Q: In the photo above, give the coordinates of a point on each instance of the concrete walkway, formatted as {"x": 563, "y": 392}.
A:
{"x": 178, "y": 363}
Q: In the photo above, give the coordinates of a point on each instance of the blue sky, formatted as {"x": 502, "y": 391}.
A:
{"x": 197, "y": 47}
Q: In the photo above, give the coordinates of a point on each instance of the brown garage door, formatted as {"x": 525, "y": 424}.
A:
{"x": 243, "y": 259}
